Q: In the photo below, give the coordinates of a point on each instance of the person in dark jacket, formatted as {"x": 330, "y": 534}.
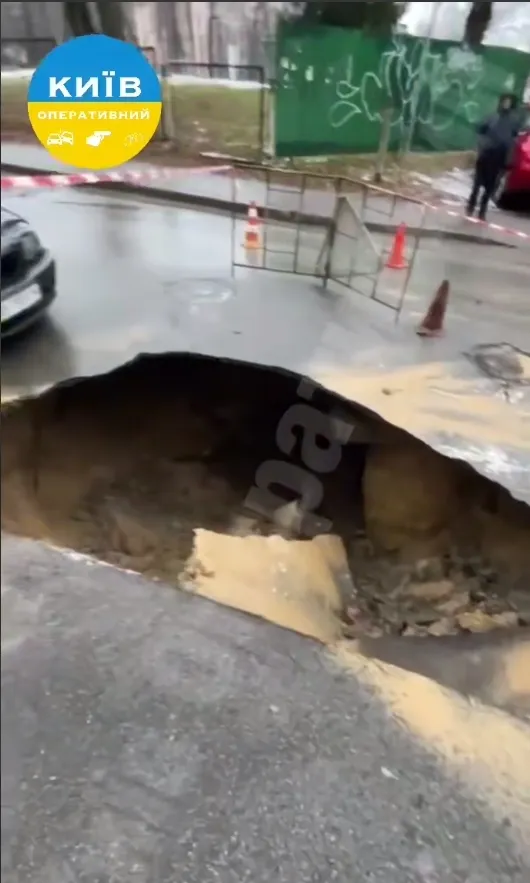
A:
{"x": 497, "y": 134}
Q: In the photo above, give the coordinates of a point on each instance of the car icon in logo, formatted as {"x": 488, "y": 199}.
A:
{"x": 60, "y": 138}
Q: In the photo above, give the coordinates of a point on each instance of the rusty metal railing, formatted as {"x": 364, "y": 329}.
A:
{"x": 336, "y": 229}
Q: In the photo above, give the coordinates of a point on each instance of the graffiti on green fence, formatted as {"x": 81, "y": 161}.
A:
{"x": 333, "y": 86}
{"x": 419, "y": 77}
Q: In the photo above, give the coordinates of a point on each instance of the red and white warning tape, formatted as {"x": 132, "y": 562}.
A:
{"x": 34, "y": 182}
{"x": 499, "y": 228}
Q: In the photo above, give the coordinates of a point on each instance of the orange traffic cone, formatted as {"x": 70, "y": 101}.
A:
{"x": 432, "y": 324}
{"x": 252, "y": 237}
{"x": 396, "y": 259}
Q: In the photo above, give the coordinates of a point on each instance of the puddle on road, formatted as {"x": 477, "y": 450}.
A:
{"x": 149, "y": 468}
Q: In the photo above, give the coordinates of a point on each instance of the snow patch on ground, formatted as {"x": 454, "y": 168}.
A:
{"x": 18, "y": 74}
{"x": 189, "y": 80}
{"x": 176, "y": 79}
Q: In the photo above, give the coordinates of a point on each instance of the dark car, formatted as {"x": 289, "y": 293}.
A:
{"x": 28, "y": 275}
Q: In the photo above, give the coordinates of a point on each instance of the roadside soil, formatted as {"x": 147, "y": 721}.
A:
{"x": 409, "y": 182}
{"x": 217, "y": 120}
{"x": 414, "y": 178}
{"x": 150, "y": 469}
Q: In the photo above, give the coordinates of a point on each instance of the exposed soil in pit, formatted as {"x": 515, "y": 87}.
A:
{"x": 150, "y": 468}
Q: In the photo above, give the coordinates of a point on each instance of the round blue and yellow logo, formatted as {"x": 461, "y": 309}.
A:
{"x": 94, "y": 102}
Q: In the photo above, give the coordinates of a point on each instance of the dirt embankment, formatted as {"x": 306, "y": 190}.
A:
{"x": 150, "y": 469}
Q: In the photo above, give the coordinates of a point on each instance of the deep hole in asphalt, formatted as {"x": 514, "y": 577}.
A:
{"x": 150, "y": 469}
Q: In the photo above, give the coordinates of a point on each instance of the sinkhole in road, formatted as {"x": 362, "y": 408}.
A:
{"x": 156, "y": 468}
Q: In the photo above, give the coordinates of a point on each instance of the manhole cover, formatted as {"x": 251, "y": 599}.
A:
{"x": 502, "y": 361}
{"x": 201, "y": 291}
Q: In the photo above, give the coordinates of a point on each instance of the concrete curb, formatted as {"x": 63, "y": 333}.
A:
{"x": 211, "y": 203}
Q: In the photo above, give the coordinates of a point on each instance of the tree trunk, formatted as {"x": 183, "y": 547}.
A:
{"x": 379, "y": 16}
{"x": 101, "y": 17}
{"x": 169, "y": 31}
{"x": 114, "y": 21}
{"x": 478, "y": 22}
{"x": 79, "y": 18}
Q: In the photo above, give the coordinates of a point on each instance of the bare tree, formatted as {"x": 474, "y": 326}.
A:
{"x": 114, "y": 21}
{"x": 168, "y": 31}
{"x": 382, "y": 16}
{"x": 80, "y": 18}
{"x": 478, "y": 22}
{"x": 379, "y": 16}
{"x": 100, "y": 17}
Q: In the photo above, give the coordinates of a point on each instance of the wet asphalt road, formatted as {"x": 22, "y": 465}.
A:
{"x": 192, "y": 186}
{"x": 145, "y": 277}
{"x": 128, "y": 282}
{"x": 148, "y": 736}
{"x": 131, "y": 276}
{"x": 151, "y": 737}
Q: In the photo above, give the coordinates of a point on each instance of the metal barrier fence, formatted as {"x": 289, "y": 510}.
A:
{"x": 29, "y": 52}
{"x": 24, "y": 56}
{"x": 335, "y": 229}
{"x": 25, "y": 53}
{"x": 18, "y": 55}
{"x": 227, "y": 118}
{"x": 223, "y": 118}
{"x": 350, "y": 255}
{"x": 151, "y": 56}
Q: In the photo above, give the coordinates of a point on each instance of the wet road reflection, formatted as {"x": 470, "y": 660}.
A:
{"x": 139, "y": 277}
{"x": 136, "y": 278}
{"x": 127, "y": 272}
